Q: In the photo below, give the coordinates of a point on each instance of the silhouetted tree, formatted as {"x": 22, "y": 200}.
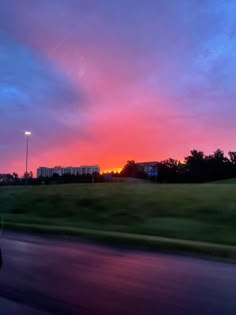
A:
{"x": 195, "y": 158}
{"x": 232, "y": 159}
{"x": 196, "y": 165}
{"x": 219, "y": 156}
{"x": 15, "y": 176}
{"x": 232, "y": 156}
{"x": 218, "y": 166}
{"x": 131, "y": 169}
{"x": 167, "y": 170}
{"x": 28, "y": 175}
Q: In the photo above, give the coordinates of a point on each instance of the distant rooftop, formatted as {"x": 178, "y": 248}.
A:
{"x": 152, "y": 163}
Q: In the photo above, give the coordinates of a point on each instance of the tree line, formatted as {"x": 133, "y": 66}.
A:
{"x": 196, "y": 167}
{"x": 28, "y": 179}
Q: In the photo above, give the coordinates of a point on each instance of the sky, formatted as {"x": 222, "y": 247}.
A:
{"x": 106, "y": 81}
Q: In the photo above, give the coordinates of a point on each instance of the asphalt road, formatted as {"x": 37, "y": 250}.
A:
{"x": 40, "y": 276}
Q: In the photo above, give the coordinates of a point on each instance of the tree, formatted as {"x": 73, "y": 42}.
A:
{"x": 195, "y": 157}
{"x": 196, "y": 165}
{"x": 167, "y": 170}
{"x": 15, "y": 176}
{"x": 232, "y": 156}
{"x": 131, "y": 169}
{"x": 219, "y": 155}
{"x": 218, "y": 166}
{"x": 28, "y": 175}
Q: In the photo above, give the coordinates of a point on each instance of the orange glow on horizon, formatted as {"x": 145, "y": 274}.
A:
{"x": 113, "y": 170}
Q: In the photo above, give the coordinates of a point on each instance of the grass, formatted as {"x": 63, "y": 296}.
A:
{"x": 225, "y": 181}
{"x": 196, "y": 212}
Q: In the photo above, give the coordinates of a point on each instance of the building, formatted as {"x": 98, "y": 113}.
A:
{"x": 5, "y": 178}
{"x": 68, "y": 170}
{"x": 150, "y": 168}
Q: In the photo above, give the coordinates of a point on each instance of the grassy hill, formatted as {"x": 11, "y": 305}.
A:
{"x": 225, "y": 181}
{"x": 205, "y": 212}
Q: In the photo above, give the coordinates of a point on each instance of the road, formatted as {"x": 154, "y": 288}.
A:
{"x": 43, "y": 276}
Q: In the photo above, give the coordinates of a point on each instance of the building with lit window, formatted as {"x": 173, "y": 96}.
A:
{"x": 150, "y": 168}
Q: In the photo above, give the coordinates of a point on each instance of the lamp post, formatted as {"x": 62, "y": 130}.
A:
{"x": 27, "y": 134}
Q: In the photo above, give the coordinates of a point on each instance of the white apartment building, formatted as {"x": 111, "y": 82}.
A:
{"x": 68, "y": 170}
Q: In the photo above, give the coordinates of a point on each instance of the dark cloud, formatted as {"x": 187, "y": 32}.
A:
{"x": 27, "y": 80}
{"x": 36, "y": 96}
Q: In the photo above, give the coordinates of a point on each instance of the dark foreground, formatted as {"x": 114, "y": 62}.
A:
{"x": 42, "y": 277}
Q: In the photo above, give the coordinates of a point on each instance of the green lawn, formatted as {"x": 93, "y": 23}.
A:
{"x": 225, "y": 181}
{"x": 204, "y": 212}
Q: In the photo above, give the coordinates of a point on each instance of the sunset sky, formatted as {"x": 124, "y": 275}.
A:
{"x": 104, "y": 81}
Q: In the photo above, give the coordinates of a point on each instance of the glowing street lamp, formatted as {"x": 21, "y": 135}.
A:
{"x": 27, "y": 134}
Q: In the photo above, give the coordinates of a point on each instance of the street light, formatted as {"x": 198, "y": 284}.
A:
{"x": 27, "y": 134}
